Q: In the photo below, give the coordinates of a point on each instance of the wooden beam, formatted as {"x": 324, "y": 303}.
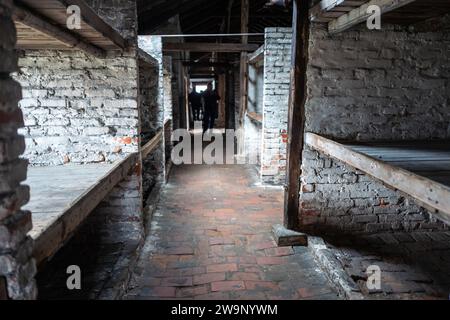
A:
{"x": 360, "y": 14}
{"x": 148, "y": 59}
{"x": 426, "y": 191}
{"x": 256, "y": 56}
{"x": 151, "y": 145}
{"x": 243, "y": 73}
{"x": 328, "y": 10}
{"x": 35, "y": 21}
{"x": 208, "y": 47}
{"x": 296, "y": 112}
{"x": 94, "y": 20}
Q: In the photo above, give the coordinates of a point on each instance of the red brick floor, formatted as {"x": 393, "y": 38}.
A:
{"x": 210, "y": 238}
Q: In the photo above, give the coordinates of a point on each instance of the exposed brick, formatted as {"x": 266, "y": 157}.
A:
{"x": 208, "y": 278}
{"x": 227, "y": 286}
{"x": 228, "y": 267}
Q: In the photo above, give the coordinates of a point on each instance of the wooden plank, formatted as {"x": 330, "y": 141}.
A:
{"x": 360, "y": 14}
{"x": 39, "y": 23}
{"x": 325, "y": 9}
{"x": 54, "y": 237}
{"x": 296, "y": 111}
{"x": 151, "y": 145}
{"x": 427, "y": 192}
{"x": 208, "y": 47}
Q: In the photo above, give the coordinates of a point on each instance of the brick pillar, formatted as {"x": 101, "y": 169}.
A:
{"x": 277, "y": 62}
{"x": 17, "y": 268}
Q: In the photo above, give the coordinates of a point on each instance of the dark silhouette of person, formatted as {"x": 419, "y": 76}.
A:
{"x": 195, "y": 99}
{"x": 211, "y": 107}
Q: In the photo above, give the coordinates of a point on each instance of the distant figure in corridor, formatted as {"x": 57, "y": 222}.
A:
{"x": 195, "y": 99}
{"x": 211, "y": 107}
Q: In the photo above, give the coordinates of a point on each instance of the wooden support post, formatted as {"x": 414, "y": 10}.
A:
{"x": 296, "y": 113}
{"x": 243, "y": 73}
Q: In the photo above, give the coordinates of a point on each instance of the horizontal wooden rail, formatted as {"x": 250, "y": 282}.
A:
{"x": 150, "y": 146}
{"x": 431, "y": 194}
{"x": 255, "y": 116}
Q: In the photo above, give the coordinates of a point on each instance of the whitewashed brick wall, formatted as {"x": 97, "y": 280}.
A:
{"x": 370, "y": 86}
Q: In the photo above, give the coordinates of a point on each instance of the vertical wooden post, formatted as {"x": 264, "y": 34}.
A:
{"x": 243, "y": 71}
{"x": 296, "y": 113}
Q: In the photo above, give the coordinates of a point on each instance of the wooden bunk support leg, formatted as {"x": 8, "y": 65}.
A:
{"x": 287, "y": 234}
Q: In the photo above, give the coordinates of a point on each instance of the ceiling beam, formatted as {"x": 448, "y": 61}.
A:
{"x": 163, "y": 12}
{"x": 209, "y": 47}
{"x": 360, "y": 14}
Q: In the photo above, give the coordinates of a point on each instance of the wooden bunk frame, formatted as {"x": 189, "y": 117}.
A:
{"x": 43, "y": 25}
{"x": 428, "y": 193}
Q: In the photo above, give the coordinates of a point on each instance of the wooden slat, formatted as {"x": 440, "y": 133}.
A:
{"x": 429, "y": 193}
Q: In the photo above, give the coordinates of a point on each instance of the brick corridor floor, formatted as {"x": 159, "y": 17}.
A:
{"x": 210, "y": 238}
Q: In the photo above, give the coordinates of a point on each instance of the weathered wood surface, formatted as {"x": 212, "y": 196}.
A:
{"x": 390, "y": 165}
{"x": 296, "y": 111}
{"x": 43, "y": 25}
{"x": 68, "y": 40}
{"x": 360, "y": 14}
{"x": 63, "y": 196}
{"x": 328, "y": 10}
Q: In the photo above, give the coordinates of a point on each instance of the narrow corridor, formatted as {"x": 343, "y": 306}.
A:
{"x": 210, "y": 238}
